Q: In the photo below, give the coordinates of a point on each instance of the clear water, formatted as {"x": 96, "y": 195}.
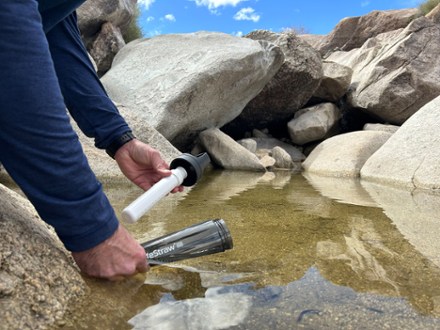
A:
{"x": 309, "y": 253}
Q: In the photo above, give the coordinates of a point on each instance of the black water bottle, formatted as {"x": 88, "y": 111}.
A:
{"x": 208, "y": 237}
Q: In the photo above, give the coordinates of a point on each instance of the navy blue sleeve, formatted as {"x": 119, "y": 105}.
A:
{"x": 54, "y": 11}
{"x": 38, "y": 146}
{"x": 83, "y": 93}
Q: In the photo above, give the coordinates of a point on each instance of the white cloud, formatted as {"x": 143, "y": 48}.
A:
{"x": 247, "y": 14}
{"x": 238, "y": 33}
{"x": 153, "y": 33}
{"x": 145, "y": 3}
{"x": 214, "y": 4}
{"x": 365, "y": 3}
{"x": 170, "y": 17}
{"x": 150, "y": 18}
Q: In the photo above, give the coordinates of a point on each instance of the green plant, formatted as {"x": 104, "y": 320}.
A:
{"x": 428, "y": 5}
{"x": 133, "y": 30}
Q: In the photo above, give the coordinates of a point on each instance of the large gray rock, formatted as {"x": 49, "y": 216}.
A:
{"x": 106, "y": 45}
{"x": 358, "y": 58}
{"x": 290, "y": 89}
{"x": 283, "y": 160}
{"x": 38, "y": 279}
{"x": 314, "y": 123}
{"x": 395, "y": 74}
{"x": 344, "y": 155}
{"x": 227, "y": 153}
{"x": 352, "y": 32}
{"x": 410, "y": 157}
{"x": 339, "y": 36}
{"x": 94, "y": 13}
{"x": 102, "y": 24}
{"x": 335, "y": 81}
{"x": 182, "y": 84}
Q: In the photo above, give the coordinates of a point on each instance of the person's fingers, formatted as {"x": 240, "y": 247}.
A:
{"x": 143, "y": 267}
{"x": 177, "y": 189}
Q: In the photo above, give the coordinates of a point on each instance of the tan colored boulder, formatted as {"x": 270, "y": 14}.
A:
{"x": 397, "y": 73}
{"x": 344, "y": 155}
{"x": 339, "y": 36}
{"x": 353, "y": 32}
{"x": 38, "y": 278}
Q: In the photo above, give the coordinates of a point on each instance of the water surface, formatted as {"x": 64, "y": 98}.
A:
{"x": 309, "y": 253}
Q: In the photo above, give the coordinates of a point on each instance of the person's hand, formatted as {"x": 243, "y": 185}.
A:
{"x": 117, "y": 257}
{"x": 142, "y": 164}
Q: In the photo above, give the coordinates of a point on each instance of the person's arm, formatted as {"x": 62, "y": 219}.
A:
{"x": 84, "y": 95}
{"x": 95, "y": 113}
{"x": 41, "y": 152}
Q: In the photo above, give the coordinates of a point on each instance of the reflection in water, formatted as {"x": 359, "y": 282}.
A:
{"x": 345, "y": 190}
{"x": 311, "y": 302}
{"x": 415, "y": 214}
{"x": 309, "y": 252}
{"x": 356, "y": 252}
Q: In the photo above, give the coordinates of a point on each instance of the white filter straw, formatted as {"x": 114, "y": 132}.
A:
{"x": 143, "y": 203}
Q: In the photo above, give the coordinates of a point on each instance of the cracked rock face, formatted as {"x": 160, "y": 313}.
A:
{"x": 397, "y": 73}
{"x": 353, "y": 32}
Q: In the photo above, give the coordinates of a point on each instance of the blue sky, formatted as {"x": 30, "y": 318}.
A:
{"x": 239, "y": 17}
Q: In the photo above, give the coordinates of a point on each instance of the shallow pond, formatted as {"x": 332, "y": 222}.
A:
{"x": 309, "y": 253}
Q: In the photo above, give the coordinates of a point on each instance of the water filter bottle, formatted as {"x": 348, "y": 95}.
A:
{"x": 186, "y": 170}
{"x": 208, "y": 237}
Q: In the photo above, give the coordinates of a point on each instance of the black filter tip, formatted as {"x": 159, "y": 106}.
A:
{"x": 193, "y": 165}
